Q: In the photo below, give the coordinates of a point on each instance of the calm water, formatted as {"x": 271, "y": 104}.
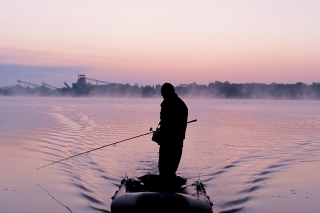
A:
{"x": 235, "y": 148}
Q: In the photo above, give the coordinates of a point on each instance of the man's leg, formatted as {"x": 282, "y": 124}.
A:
{"x": 169, "y": 159}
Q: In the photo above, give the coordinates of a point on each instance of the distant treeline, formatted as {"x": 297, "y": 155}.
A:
{"x": 215, "y": 89}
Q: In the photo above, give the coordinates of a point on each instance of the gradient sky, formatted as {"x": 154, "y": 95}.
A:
{"x": 151, "y": 42}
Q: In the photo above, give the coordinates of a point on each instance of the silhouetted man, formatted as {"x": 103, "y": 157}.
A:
{"x": 173, "y": 124}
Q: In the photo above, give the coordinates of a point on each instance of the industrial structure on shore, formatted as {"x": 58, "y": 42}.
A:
{"x": 82, "y": 83}
{"x": 83, "y": 87}
{"x": 93, "y": 87}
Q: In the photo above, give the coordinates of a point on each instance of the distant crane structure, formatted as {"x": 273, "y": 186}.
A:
{"x": 81, "y": 83}
{"x": 47, "y": 85}
{"x": 65, "y": 83}
{"x": 97, "y": 81}
{"x": 27, "y": 84}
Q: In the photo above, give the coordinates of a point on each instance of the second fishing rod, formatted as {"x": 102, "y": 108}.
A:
{"x": 111, "y": 144}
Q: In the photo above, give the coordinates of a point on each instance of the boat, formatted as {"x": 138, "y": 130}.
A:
{"x": 151, "y": 193}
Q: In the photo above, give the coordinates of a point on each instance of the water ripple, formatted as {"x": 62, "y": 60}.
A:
{"x": 234, "y": 150}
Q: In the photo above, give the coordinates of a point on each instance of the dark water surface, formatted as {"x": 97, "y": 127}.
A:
{"x": 235, "y": 148}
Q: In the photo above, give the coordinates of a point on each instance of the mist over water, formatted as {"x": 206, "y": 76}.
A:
{"x": 215, "y": 90}
{"x": 236, "y": 148}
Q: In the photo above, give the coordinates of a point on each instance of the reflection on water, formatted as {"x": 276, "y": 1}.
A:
{"x": 235, "y": 148}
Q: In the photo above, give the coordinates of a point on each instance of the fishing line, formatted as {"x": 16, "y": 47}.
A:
{"x": 55, "y": 199}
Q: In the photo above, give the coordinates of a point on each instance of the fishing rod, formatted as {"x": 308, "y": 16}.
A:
{"x": 111, "y": 144}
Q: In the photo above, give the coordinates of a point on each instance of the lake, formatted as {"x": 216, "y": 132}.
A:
{"x": 244, "y": 151}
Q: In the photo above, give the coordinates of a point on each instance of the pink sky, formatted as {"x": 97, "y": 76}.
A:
{"x": 150, "y": 42}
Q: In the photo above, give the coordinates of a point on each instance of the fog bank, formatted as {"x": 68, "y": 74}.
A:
{"x": 217, "y": 89}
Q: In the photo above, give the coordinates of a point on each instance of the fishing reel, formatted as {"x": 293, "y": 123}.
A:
{"x": 157, "y": 129}
{"x": 151, "y": 129}
{"x": 157, "y": 135}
